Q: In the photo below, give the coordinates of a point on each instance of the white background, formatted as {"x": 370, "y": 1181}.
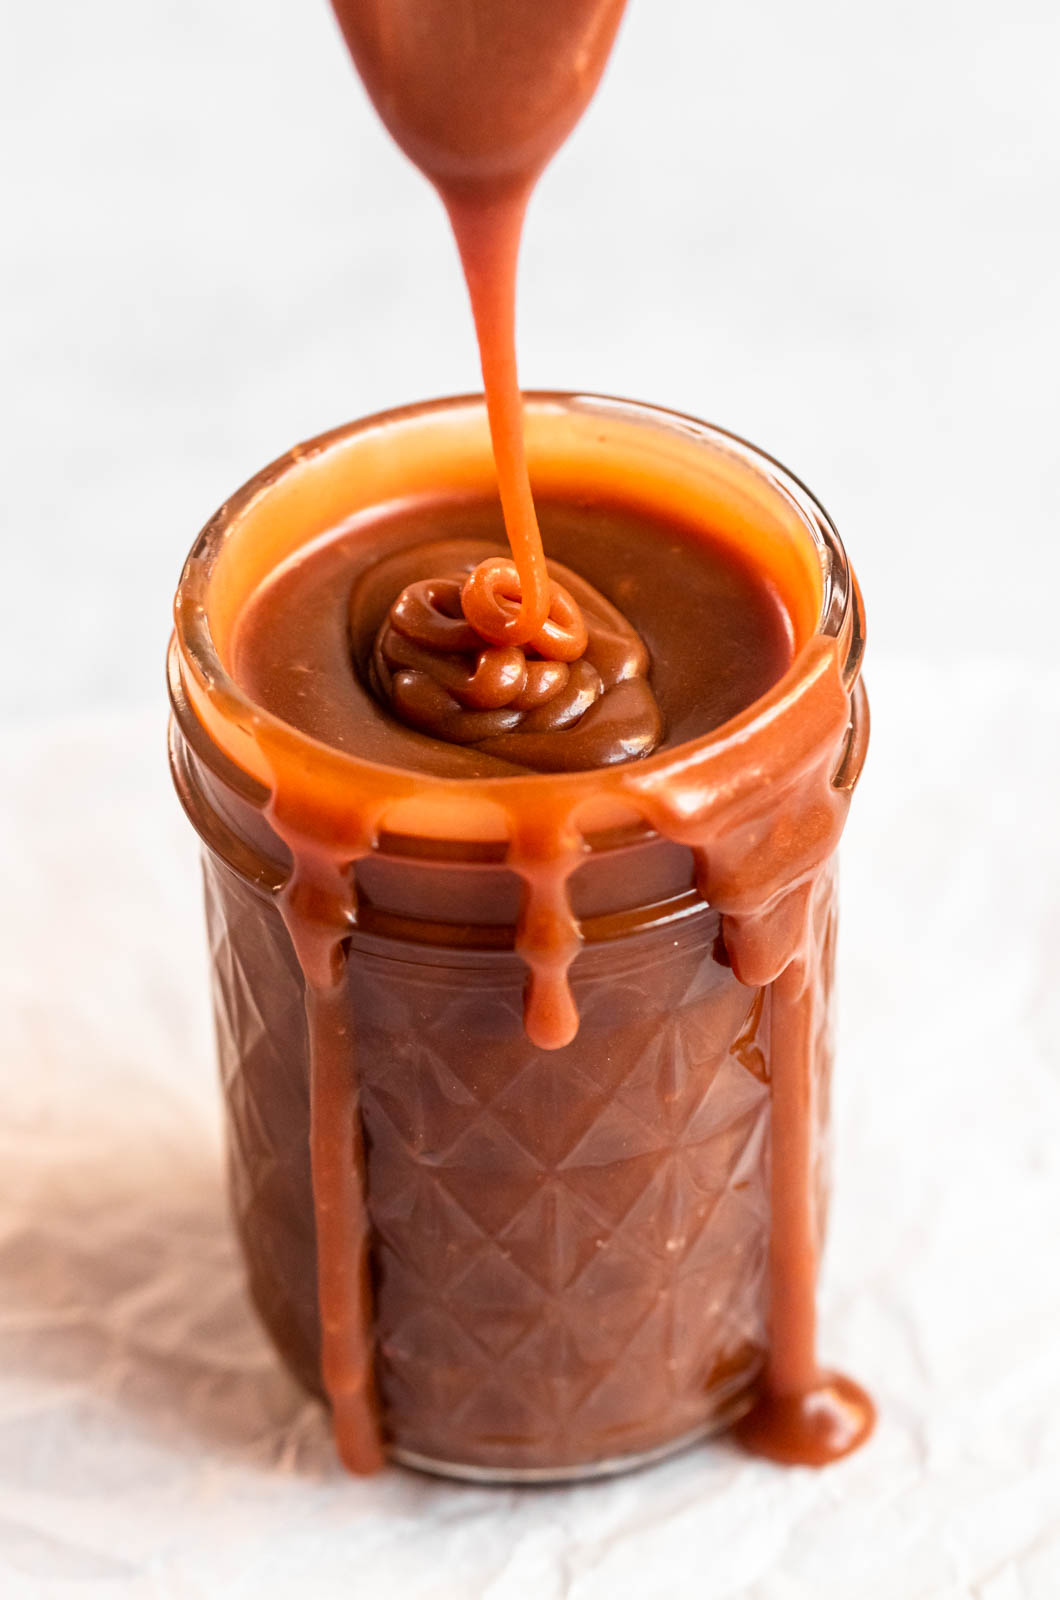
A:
{"x": 832, "y": 228}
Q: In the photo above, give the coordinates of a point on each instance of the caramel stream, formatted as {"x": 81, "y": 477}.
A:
{"x": 763, "y": 822}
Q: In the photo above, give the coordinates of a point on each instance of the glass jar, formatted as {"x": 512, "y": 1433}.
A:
{"x": 569, "y": 1248}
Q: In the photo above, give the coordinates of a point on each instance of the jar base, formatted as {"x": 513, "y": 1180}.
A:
{"x": 582, "y": 1471}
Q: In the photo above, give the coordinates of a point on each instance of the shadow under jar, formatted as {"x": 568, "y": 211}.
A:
{"x": 569, "y": 1248}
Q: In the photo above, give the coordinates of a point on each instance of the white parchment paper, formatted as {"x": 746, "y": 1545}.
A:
{"x": 150, "y": 1444}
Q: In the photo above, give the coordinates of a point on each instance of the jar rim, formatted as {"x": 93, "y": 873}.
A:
{"x": 220, "y": 703}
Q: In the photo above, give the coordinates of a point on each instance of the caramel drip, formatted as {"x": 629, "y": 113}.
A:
{"x": 804, "y": 1414}
{"x": 766, "y": 882}
{"x": 488, "y": 238}
{"x": 319, "y": 907}
{"x": 508, "y": 603}
{"x": 548, "y": 935}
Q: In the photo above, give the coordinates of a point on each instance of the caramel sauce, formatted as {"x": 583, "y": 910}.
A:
{"x": 719, "y": 635}
{"x": 761, "y": 802}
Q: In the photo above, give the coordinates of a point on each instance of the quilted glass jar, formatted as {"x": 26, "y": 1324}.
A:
{"x": 569, "y": 1248}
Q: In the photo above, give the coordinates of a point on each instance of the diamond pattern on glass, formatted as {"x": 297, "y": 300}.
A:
{"x": 570, "y": 1247}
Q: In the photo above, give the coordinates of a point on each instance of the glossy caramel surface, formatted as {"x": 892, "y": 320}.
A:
{"x": 716, "y": 633}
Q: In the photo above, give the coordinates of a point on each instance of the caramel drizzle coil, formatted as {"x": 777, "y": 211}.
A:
{"x": 443, "y": 663}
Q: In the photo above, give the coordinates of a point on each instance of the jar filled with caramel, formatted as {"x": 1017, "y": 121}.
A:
{"x": 526, "y": 1071}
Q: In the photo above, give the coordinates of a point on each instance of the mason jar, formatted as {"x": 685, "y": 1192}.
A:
{"x": 569, "y": 1248}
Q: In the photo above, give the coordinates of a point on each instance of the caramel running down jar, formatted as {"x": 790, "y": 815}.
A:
{"x": 570, "y": 1260}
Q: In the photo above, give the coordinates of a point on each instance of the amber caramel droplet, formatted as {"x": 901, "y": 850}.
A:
{"x": 810, "y": 1429}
